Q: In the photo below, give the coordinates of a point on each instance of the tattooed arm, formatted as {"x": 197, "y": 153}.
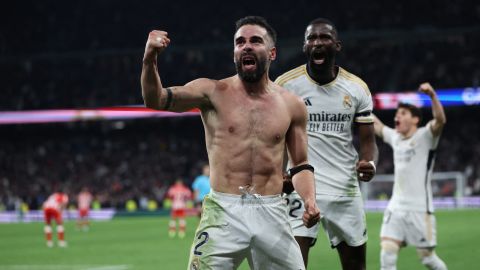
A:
{"x": 177, "y": 99}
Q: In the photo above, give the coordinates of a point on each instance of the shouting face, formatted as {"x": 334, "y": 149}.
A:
{"x": 253, "y": 52}
{"x": 405, "y": 121}
{"x": 321, "y": 45}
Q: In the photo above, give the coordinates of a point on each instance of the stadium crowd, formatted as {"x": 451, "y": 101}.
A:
{"x": 135, "y": 159}
{"x": 89, "y": 55}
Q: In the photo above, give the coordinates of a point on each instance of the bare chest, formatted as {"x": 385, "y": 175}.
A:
{"x": 266, "y": 118}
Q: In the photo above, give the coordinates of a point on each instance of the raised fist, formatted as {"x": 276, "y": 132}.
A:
{"x": 427, "y": 89}
{"x": 157, "y": 42}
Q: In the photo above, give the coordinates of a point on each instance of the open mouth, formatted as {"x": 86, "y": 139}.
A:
{"x": 397, "y": 123}
{"x": 248, "y": 61}
{"x": 318, "y": 57}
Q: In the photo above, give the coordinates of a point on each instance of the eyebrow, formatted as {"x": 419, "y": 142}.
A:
{"x": 252, "y": 37}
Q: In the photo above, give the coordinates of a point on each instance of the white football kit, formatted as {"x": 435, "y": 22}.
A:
{"x": 332, "y": 109}
{"x": 409, "y": 214}
{"x": 237, "y": 227}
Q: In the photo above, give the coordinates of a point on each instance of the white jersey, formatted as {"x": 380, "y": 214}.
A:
{"x": 332, "y": 108}
{"x": 413, "y": 159}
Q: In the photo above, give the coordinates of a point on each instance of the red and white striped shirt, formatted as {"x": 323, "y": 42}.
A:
{"x": 57, "y": 201}
{"x": 179, "y": 194}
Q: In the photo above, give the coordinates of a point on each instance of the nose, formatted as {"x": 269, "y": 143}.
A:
{"x": 317, "y": 42}
{"x": 247, "y": 46}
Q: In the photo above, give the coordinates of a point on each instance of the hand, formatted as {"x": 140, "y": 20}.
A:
{"x": 427, "y": 89}
{"x": 157, "y": 42}
{"x": 365, "y": 171}
{"x": 311, "y": 216}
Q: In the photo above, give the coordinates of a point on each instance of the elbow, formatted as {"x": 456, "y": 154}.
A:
{"x": 442, "y": 120}
{"x": 151, "y": 105}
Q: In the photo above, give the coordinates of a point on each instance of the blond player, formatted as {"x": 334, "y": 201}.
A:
{"x": 409, "y": 218}
{"x": 52, "y": 210}
{"x": 179, "y": 194}
{"x": 335, "y": 100}
{"x": 248, "y": 120}
{"x": 84, "y": 199}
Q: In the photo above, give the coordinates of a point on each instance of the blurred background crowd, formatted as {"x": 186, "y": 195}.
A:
{"x": 88, "y": 55}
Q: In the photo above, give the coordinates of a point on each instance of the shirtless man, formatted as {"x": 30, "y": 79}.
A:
{"x": 248, "y": 120}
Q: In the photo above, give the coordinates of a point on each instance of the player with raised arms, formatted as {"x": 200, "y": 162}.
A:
{"x": 409, "y": 218}
{"x": 248, "y": 120}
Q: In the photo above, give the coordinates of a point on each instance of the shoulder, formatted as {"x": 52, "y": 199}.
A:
{"x": 290, "y": 98}
{"x": 290, "y": 75}
{"x": 426, "y": 130}
{"x": 354, "y": 80}
{"x": 204, "y": 83}
{"x": 294, "y": 103}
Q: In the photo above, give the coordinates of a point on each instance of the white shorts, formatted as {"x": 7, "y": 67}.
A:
{"x": 342, "y": 217}
{"x": 417, "y": 229}
{"x": 234, "y": 227}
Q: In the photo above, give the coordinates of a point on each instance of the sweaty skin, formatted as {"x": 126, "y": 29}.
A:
{"x": 247, "y": 124}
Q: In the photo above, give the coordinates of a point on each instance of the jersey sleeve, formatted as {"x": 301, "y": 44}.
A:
{"x": 387, "y": 134}
{"x": 363, "y": 114}
{"x": 427, "y": 135}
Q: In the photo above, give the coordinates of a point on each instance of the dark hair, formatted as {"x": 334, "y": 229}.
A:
{"x": 260, "y": 21}
{"x": 324, "y": 21}
{"x": 414, "y": 110}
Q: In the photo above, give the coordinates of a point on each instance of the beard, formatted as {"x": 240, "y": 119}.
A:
{"x": 252, "y": 76}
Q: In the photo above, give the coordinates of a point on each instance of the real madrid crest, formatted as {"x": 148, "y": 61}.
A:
{"x": 347, "y": 102}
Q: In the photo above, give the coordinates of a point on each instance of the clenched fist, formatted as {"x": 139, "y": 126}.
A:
{"x": 365, "y": 170}
{"x": 426, "y": 88}
{"x": 157, "y": 42}
{"x": 311, "y": 216}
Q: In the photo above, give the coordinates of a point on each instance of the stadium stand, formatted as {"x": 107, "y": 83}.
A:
{"x": 87, "y": 55}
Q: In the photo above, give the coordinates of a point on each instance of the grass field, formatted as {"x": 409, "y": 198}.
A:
{"x": 142, "y": 243}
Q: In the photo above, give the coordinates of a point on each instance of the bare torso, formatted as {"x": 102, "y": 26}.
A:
{"x": 245, "y": 137}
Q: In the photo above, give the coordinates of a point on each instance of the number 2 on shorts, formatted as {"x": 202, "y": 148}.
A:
{"x": 296, "y": 204}
{"x": 201, "y": 243}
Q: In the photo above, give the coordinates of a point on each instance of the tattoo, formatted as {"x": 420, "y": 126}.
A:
{"x": 169, "y": 99}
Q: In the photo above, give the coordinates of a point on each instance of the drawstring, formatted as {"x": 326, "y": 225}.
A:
{"x": 248, "y": 191}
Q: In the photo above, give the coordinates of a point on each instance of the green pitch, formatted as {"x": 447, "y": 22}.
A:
{"x": 143, "y": 243}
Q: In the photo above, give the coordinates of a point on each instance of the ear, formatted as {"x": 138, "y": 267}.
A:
{"x": 304, "y": 48}
{"x": 416, "y": 120}
{"x": 338, "y": 46}
{"x": 273, "y": 53}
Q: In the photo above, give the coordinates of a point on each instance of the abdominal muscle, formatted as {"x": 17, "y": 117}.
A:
{"x": 248, "y": 163}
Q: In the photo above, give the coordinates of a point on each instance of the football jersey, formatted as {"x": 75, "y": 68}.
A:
{"x": 413, "y": 160}
{"x": 179, "y": 194}
{"x": 332, "y": 108}
{"x": 56, "y": 201}
{"x": 84, "y": 200}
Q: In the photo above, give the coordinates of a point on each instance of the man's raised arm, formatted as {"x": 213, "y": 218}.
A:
{"x": 181, "y": 98}
{"x": 439, "y": 118}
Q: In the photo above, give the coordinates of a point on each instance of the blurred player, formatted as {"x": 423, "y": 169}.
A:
{"x": 335, "y": 100}
{"x": 84, "y": 199}
{"x": 52, "y": 209}
{"x": 409, "y": 218}
{"x": 179, "y": 194}
{"x": 201, "y": 187}
{"x": 248, "y": 120}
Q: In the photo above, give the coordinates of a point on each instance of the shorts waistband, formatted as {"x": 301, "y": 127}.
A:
{"x": 245, "y": 198}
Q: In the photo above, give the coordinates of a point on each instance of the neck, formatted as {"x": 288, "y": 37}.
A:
{"x": 322, "y": 75}
{"x": 256, "y": 88}
{"x": 410, "y": 132}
